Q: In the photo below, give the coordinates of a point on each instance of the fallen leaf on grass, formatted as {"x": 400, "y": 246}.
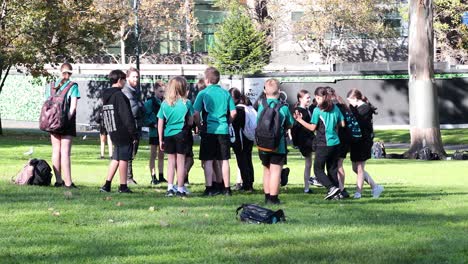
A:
{"x": 50, "y": 209}
{"x": 56, "y": 213}
{"x": 151, "y": 208}
{"x": 164, "y": 223}
{"x": 107, "y": 198}
{"x": 68, "y": 195}
{"x": 111, "y": 221}
{"x": 119, "y": 204}
{"x": 206, "y": 215}
{"x": 158, "y": 190}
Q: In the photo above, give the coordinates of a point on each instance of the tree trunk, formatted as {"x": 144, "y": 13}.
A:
{"x": 122, "y": 44}
{"x": 188, "y": 25}
{"x": 423, "y": 99}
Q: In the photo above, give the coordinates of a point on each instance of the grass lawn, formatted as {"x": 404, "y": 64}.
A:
{"x": 422, "y": 216}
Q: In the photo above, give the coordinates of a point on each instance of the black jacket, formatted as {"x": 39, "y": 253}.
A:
{"x": 136, "y": 104}
{"x": 118, "y": 118}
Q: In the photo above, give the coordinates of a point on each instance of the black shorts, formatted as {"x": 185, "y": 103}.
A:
{"x": 154, "y": 141}
{"x": 176, "y": 144}
{"x": 273, "y": 158}
{"x": 343, "y": 150}
{"x": 124, "y": 152}
{"x": 305, "y": 150}
{"x": 361, "y": 150}
{"x": 215, "y": 147}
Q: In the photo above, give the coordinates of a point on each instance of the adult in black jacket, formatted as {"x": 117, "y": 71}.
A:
{"x": 242, "y": 146}
{"x": 133, "y": 93}
{"x": 120, "y": 125}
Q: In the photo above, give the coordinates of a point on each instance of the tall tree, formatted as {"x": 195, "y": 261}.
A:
{"x": 327, "y": 22}
{"x": 239, "y": 48}
{"x": 171, "y": 22}
{"x": 424, "y": 110}
{"x": 34, "y": 33}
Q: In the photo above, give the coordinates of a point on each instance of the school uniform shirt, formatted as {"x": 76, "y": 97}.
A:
{"x": 215, "y": 102}
{"x": 151, "y": 118}
{"x": 326, "y": 132}
{"x": 174, "y": 116}
{"x": 118, "y": 117}
{"x": 73, "y": 92}
{"x": 286, "y": 120}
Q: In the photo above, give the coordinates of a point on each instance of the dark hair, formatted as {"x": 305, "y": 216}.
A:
{"x": 327, "y": 104}
{"x": 132, "y": 69}
{"x": 245, "y": 100}
{"x": 300, "y": 94}
{"x": 236, "y": 95}
{"x": 212, "y": 75}
{"x": 356, "y": 94}
{"x": 116, "y": 75}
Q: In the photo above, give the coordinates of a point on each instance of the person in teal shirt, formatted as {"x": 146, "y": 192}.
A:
{"x": 217, "y": 109}
{"x": 175, "y": 119}
{"x": 152, "y": 106}
{"x": 325, "y": 120}
{"x": 273, "y": 162}
{"x": 62, "y": 141}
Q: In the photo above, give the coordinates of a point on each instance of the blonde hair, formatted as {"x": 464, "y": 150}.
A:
{"x": 176, "y": 89}
{"x": 272, "y": 87}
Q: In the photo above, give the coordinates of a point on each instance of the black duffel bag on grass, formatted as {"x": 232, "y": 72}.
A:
{"x": 254, "y": 214}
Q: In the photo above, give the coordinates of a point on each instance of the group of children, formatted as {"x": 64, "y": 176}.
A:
{"x": 326, "y": 126}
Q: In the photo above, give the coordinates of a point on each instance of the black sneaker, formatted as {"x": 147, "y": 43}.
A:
{"x": 59, "y": 184}
{"x": 170, "y": 193}
{"x": 161, "y": 179}
{"x": 309, "y": 191}
{"x": 180, "y": 194}
{"x": 227, "y": 192}
{"x": 315, "y": 182}
{"x": 269, "y": 201}
{"x": 126, "y": 190}
{"x": 206, "y": 192}
{"x": 72, "y": 186}
{"x": 333, "y": 190}
{"x": 154, "y": 182}
{"x": 214, "y": 192}
{"x": 344, "y": 194}
{"x": 104, "y": 189}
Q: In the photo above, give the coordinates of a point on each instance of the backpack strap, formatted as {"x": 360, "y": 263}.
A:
{"x": 61, "y": 92}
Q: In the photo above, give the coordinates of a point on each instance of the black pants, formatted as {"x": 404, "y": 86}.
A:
{"x": 135, "y": 151}
{"x": 243, "y": 154}
{"x": 327, "y": 156}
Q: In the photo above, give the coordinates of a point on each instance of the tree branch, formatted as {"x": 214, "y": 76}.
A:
{"x": 4, "y": 78}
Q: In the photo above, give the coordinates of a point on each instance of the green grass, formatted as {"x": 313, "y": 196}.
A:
{"x": 422, "y": 216}
{"x": 449, "y": 136}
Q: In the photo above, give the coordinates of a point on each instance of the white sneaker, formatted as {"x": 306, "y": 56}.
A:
{"x": 377, "y": 191}
{"x": 186, "y": 191}
{"x": 357, "y": 195}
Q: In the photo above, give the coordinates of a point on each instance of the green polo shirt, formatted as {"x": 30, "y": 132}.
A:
{"x": 286, "y": 120}
{"x": 326, "y": 132}
{"x": 216, "y": 102}
{"x": 174, "y": 116}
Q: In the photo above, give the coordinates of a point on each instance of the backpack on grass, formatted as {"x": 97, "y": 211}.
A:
{"x": 268, "y": 132}
{"x": 460, "y": 155}
{"x": 250, "y": 121}
{"x": 426, "y": 154}
{"x": 35, "y": 172}
{"x": 254, "y": 214}
{"x": 54, "y": 110}
{"x": 378, "y": 150}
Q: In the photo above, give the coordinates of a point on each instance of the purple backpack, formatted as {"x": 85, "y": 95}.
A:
{"x": 53, "y": 113}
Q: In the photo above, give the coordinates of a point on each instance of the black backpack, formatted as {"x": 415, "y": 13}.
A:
{"x": 426, "y": 154}
{"x": 460, "y": 155}
{"x": 42, "y": 173}
{"x": 254, "y": 214}
{"x": 268, "y": 132}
